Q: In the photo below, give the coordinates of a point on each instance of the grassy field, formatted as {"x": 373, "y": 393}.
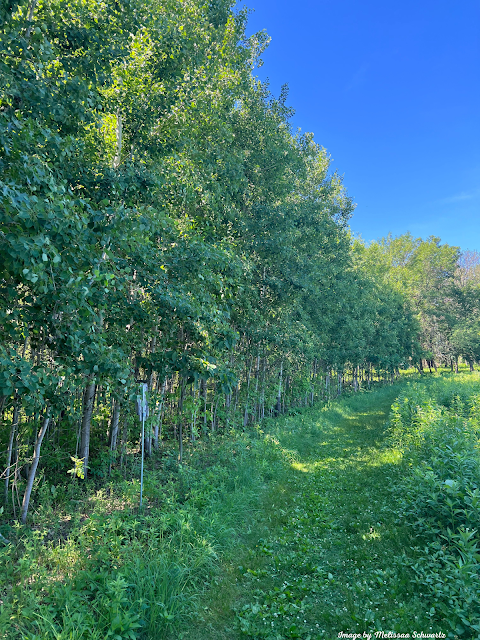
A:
{"x": 311, "y": 526}
{"x": 326, "y": 556}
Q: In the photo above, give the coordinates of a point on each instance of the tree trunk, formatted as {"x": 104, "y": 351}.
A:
{"x": 118, "y": 136}
{"x": 114, "y": 425}
{"x": 31, "y": 11}
{"x": 279, "y": 396}
{"x": 157, "y": 435}
{"x": 180, "y": 421}
{"x": 314, "y": 373}
{"x": 114, "y": 431}
{"x": 88, "y": 402}
{"x": 148, "y": 440}
{"x": 215, "y": 421}
{"x": 194, "y": 412}
{"x": 204, "y": 391}
{"x": 257, "y": 375}
{"x": 262, "y": 399}
{"x": 33, "y": 468}
{"x": 2, "y": 407}
{"x": 123, "y": 446}
{"x": 245, "y": 417}
{"x": 13, "y": 431}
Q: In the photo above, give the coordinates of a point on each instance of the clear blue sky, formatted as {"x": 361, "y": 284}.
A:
{"x": 392, "y": 90}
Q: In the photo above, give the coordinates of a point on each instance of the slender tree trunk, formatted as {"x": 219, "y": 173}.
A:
{"x": 148, "y": 440}
{"x": 236, "y": 394}
{"x": 212, "y": 410}
{"x": 123, "y": 446}
{"x": 262, "y": 401}
{"x": 279, "y": 395}
{"x": 194, "y": 413}
{"x": 315, "y": 378}
{"x": 2, "y": 408}
{"x": 114, "y": 425}
{"x": 245, "y": 417}
{"x": 157, "y": 435}
{"x": 257, "y": 375}
{"x": 13, "y": 431}
{"x": 114, "y": 432}
{"x": 31, "y": 11}
{"x": 180, "y": 421}
{"x": 33, "y": 468}
{"x": 215, "y": 421}
{"x": 118, "y": 136}
{"x": 88, "y": 402}
{"x": 204, "y": 392}
{"x": 228, "y": 405}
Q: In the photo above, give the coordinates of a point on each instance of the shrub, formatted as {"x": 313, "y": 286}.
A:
{"x": 436, "y": 426}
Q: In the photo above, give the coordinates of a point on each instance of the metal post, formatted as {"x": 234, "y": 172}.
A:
{"x": 142, "y": 410}
{"x": 143, "y": 441}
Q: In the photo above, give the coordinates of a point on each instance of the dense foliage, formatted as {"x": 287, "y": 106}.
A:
{"x": 442, "y": 286}
{"x": 437, "y": 427}
{"x": 161, "y": 222}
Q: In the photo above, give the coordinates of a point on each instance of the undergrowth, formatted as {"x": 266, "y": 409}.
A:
{"x": 94, "y": 566}
{"x": 348, "y": 553}
{"x": 436, "y": 425}
{"x": 319, "y": 523}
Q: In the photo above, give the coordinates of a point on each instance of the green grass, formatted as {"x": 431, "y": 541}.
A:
{"x": 294, "y": 530}
{"x": 325, "y": 555}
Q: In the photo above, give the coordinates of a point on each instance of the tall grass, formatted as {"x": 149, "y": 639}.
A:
{"x": 436, "y": 424}
{"x": 95, "y": 567}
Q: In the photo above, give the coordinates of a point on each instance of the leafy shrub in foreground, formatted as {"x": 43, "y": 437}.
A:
{"x": 121, "y": 574}
{"x": 436, "y": 427}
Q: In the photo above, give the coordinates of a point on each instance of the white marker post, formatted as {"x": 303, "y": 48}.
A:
{"x": 142, "y": 411}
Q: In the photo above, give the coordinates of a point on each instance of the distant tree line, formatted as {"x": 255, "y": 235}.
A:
{"x": 442, "y": 285}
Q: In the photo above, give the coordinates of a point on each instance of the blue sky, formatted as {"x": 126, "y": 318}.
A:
{"x": 392, "y": 90}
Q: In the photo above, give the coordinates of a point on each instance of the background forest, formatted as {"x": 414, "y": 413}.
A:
{"x": 160, "y": 221}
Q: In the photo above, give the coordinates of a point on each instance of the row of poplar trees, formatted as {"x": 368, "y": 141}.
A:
{"x": 443, "y": 286}
{"x": 161, "y": 222}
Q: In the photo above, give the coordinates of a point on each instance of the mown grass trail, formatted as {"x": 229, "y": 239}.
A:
{"x": 326, "y": 554}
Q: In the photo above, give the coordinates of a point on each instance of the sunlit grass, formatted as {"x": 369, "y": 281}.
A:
{"x": 322, "y": 557}
{"x": 291, "y": 530}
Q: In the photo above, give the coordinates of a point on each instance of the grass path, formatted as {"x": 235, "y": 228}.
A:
{"x": 323, "y": 557}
